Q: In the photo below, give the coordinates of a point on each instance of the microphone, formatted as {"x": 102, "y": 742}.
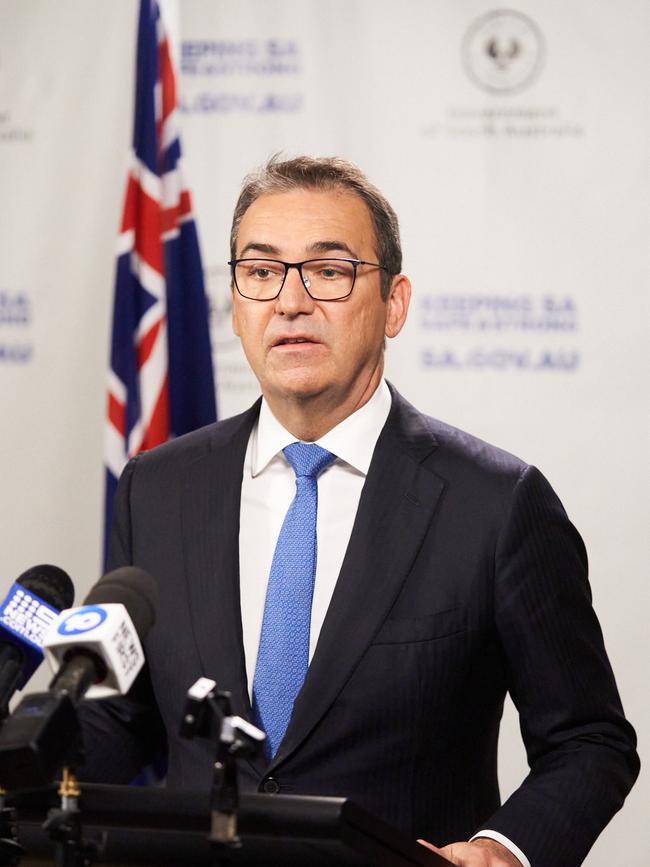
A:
{"x": 27, "y": 612}
{"x": 95, "y": 650}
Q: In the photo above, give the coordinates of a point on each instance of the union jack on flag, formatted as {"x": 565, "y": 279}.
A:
{"x": 160, "y": 381}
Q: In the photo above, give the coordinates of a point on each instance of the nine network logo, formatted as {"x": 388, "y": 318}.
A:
{"x": 28, "y": 616}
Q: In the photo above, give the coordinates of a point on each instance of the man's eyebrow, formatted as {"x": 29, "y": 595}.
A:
{"x": 316, "y": 247}
{"x": 330, "y": 247}
{"x": 259, "y": 247}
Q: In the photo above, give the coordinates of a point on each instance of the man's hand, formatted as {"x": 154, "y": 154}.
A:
{"x": 481, "y": 852}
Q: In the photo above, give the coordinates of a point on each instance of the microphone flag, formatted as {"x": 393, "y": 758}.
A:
{"x": 105, "y": 631}
{"x": 160, "y": 379}
{"x": 25, "y": 619}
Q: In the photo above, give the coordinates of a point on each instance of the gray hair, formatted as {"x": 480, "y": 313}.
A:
{"x": 326, "y": 173}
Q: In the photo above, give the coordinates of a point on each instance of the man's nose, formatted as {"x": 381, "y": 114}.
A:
{"x": 293, "y": 298}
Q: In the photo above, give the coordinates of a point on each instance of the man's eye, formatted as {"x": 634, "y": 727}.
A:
{"x": 330, "y": 273}
{"x": 262, "y": 271}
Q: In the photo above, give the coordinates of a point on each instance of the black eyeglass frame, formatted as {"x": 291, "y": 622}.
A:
{"x": 298, "y": 266}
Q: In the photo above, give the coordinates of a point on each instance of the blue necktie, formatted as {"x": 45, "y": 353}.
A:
{"x": 283, "y": 654}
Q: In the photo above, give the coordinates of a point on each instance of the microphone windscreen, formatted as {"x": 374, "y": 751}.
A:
{"x": 50, "y": 583}
{"x": 132, "y": 587}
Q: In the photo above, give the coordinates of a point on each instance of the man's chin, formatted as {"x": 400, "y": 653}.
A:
{"x": 295, "y": 386}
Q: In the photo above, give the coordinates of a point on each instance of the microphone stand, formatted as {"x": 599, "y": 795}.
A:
{"x": 10, "y": 672}
{"x": 65, "y": 829}
{"x": 10, "y": 849}
{"x": 63, "y": 823}
{"x": 207, "y": 711}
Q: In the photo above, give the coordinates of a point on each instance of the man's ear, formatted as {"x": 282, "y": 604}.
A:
{"x": 397, "y": 305}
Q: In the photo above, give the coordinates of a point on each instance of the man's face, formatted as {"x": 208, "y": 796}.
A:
{"x": 340, "y": 356}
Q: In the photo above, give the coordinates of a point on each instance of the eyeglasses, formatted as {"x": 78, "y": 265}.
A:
{"x": 324, "y": 279}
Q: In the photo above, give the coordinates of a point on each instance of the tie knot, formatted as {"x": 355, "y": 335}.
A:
{"x": 308, "y": 459}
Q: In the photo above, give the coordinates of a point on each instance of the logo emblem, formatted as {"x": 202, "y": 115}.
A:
{"x": 82, "y": 621}
{"x": 503, "y": 51}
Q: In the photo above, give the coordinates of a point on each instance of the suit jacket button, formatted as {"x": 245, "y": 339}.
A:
{"x": 271, "y": 786}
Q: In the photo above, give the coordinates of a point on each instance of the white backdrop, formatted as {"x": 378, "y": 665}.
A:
{"x": 521, "y": 182}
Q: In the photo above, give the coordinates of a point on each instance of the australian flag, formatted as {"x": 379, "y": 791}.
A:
{"x": 160, "y": 381}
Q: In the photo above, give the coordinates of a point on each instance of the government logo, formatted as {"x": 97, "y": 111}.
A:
{"x": 503, "y": 51}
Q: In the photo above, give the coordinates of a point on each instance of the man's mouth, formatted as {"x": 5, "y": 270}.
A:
{"x": 286, "y": 341}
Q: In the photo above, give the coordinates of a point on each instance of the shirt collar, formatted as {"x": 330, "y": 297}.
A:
{"x": 353, "y": 440}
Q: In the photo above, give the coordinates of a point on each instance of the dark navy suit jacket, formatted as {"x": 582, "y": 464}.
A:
{"x": 463, "y": 579}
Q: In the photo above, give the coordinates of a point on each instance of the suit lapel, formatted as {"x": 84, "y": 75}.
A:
{"x": 210, "y": 520}
{"x": 395, "y": 510}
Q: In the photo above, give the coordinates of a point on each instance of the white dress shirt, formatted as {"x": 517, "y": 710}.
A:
{"x": 268, "y": 488}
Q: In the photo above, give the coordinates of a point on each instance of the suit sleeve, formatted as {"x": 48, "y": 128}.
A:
{"x": 581, "y": 751}
{"x": 122, "y": 735}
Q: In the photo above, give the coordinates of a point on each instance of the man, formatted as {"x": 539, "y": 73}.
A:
{"x": 447, "y": 571}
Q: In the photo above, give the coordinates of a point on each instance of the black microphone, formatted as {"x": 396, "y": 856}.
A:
{"x": 95, "y": 650}
{"x": 29, "y": 609}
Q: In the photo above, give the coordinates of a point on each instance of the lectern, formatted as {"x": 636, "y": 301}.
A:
{"x": 148, "y": 826}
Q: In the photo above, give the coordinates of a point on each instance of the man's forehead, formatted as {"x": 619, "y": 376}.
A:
{"x": 308, "y": 217}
